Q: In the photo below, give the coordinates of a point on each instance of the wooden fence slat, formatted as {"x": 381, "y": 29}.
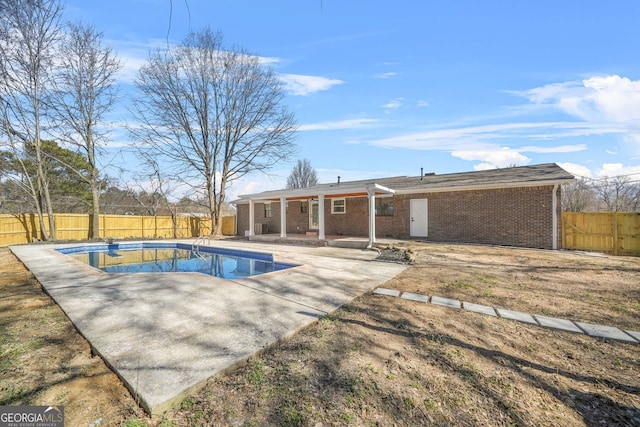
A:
{"x": 613, "y": 233}
{"x": 24, "y": 228}
{"x": 616, "y": 233}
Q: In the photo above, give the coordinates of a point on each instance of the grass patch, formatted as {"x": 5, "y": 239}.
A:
{"x": 187, "y": 403}
{"x": 255, "y": 373}
{"x": 12, "y": 395}
{"x": 459, "y": 284}
{"x": 291, "y": 416}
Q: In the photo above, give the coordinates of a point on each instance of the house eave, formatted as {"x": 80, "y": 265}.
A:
{"x": 333, "y": 191}
{"x": 420, "y": 190}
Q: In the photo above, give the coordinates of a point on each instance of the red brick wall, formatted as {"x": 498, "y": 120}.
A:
{"x": 297, "y": 221}
{"x": 512, "y": 216}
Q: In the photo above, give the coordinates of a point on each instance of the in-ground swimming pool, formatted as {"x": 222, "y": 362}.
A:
{"x": 175, "y": 257}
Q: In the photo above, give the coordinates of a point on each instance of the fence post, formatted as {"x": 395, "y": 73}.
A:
{"x": 615, "y": 233}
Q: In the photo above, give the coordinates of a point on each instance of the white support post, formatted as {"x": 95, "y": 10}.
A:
{"x": 554, "y": 227}
{"x": 372, "y": 217}
{"x": 321, "y": 235}
{"x": 252, "y": 217}
{"x": 283, "y": 217}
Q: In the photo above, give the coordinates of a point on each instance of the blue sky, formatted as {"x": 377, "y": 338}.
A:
{"x": 383, "y": 88}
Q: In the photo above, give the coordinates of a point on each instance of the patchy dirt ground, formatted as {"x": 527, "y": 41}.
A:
{"x": 379, "y": 360}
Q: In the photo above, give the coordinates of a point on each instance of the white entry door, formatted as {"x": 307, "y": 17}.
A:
{"x": 419, "y": 221}
{"x": 314, "y": 216}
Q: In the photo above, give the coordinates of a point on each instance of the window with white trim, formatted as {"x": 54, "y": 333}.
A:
{"x": 338, "y": 206}
{"x": 267, "y": 209}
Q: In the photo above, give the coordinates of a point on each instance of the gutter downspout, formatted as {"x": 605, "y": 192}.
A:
{"x": 235, "y": 225}
{"x": 252, "y": 217}
{"x": 554, "y": 207}
{"x": 283, "y": 217}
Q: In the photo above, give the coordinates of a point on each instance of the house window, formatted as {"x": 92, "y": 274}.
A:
{"x": 338, "y": 206}
{"x": 304, "y": 207}
{"x": 384, "y": 207}
{"x": 267, "y": 210}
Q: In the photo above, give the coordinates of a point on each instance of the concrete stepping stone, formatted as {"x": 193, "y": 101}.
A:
{"x": 555, "y": 323}
{"x": 478, "y": 308}
{"x": 516, "y": 315}
{"x": 388, "y": 292}
{"x": 607, "y": 332}
{"x": 446, "y": 302}
{"x": 415, "y": 297}
{"x": 634, "y": 334}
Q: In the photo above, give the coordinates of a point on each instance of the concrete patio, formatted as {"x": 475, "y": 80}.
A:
{"x": 165, "y": 334}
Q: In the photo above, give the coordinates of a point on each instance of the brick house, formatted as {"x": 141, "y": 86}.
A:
{"x": 518, "y": 206}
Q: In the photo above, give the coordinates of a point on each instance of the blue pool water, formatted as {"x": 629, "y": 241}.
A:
{"x": 175, "y": 257}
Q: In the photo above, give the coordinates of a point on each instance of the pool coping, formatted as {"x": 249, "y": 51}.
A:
{"x": 200, "y": 252}
{"x": 166, "y": 334}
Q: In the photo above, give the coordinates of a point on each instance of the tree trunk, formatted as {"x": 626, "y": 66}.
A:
{"x": 95, "y": 219}
{"x": 43, "y": 229}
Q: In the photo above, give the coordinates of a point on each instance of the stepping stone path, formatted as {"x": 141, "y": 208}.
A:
{"x": 554, "y": 323}
{"x": 388, "y": 292}
{"x": 477, "y": 308}
{"x": 446, "y": 302}
{"x": 516, "y": 315}
{"x": 415, "y": 297}
{"x": 596, "y": 331}
{"x": 600, "y": 331}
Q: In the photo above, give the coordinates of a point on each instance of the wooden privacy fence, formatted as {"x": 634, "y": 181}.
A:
{"x": 24, "y": 228}
{"x": 608, "y": 232}
{"x": 616, "y": 233}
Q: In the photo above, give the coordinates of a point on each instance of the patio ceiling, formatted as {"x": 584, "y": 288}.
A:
{"x": 356, "y": 189}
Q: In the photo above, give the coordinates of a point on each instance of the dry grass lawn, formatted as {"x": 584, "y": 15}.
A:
{"x": 379, "y": 360}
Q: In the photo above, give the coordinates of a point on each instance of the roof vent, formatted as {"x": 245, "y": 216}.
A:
{"x": 338, "y": 179}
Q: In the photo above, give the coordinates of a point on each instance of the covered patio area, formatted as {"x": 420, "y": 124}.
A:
{"x": 317, "y": 198}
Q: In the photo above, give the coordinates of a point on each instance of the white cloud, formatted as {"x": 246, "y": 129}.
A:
{"x": 339, "y": 125}
{"x": 578, "y": 170}
{"x": 609, "y": 102}
{"x": 477, "y": 143}
{"x": 386, "y": 75}
{"x": 422, "y": 104}
{"x": 394, "y": 104}
{"x": 269, "y": 60}
{"x": 558, "y": 149}
{"x": 257, "y": 183}
{"x": 133, "y": 55}
{"x": 462, "y": 137}
{"x": 493, "y": 158}
{"x": 302, "y": 85}
{"x": 616, "y": 169}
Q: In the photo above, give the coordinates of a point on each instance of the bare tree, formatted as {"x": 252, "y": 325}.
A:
{"x": 84, "y": 91}
{"x": 302, "y": 175}
{"x": 15, "y": 169}
{"x": 158, "y": 186}
{"x": 29, "y": 31}
{"x": 578, "y": 196}
{"x": 619, "y": 194}
{"x": 213, "y": 113}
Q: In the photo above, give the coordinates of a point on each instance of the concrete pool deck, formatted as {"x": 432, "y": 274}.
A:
{"x": 165, "y": 334}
